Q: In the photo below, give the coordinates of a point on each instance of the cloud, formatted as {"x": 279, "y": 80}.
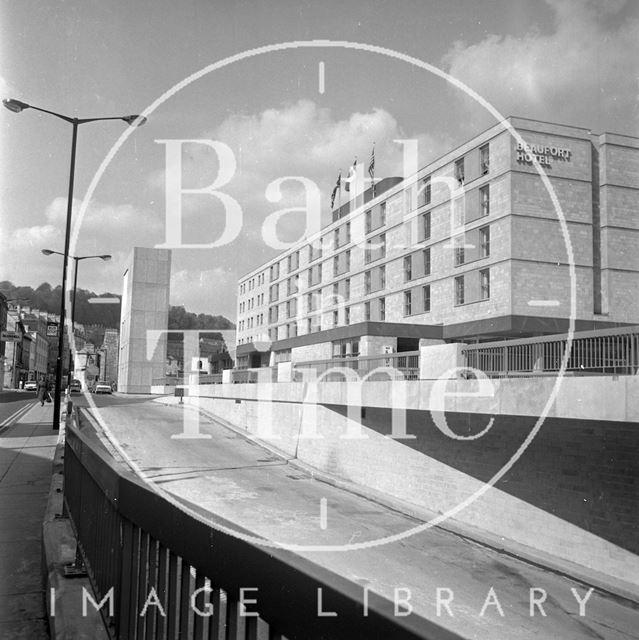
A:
{"x": 300, "y": 139}
{"x": 106, "y": 228}
{"x": 584, "y": 72}
{"x": 205, "y": 290}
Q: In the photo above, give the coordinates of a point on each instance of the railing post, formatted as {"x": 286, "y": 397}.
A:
{"x": 125, "y": 580}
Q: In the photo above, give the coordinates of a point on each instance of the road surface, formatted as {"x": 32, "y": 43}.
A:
{"x": 488, "y": 594}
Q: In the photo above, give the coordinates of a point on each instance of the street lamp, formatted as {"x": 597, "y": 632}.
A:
{"x": 134, "y": 121}
{"x": 105, "y": 257}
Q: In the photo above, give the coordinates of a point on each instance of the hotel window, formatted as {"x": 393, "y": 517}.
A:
{"x": 382, "y": 214}
{"x": 459, "y": 251}
{"x": 459, "y": 290}
{"x": 408, "y": 303}
{"x": 382, "y": 242}
{"x": 367, "y": 282}
{"x": 426, "y": 225}
{"x": 335, "y": 265}
{"x": 459, "y": 206}
{"x": 348, "y": 260}
{"x": 347, "y": 289}
{"x": 368, "y": 221}
{"x": 335, "y": 318}
{"x": 459, "y": 170}
{"x": 309, "y": 325}
{"x": 273, "y": 293}
{"x": 484, "y": 284}
{"x": 484, "y": 242}
{"x": 347, "y": 315}
{"x": 484, "y": 200}
{"x": 382, "y": 309}
{"x": 426, "y": 259}
{"x": 336, "y": 239}
{"x": 348, "y": 233}
{"x": 426, "y": 296}
{"x": 408, "y": 268}
{"x": 426, "y": 191}
{"x": 367, "y": 311}
{"x": 382, "y": 276}
{"x": 292, "y": 330}
{"x": 484, "y": 159}
{"x": 293, "y": 261}
{"x": 272, "y": 314}
{"x": 275, "y": 271}
{"x": 335, "y": 293}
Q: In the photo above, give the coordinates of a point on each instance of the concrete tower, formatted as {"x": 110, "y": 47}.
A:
{"x": 145, "y": 308}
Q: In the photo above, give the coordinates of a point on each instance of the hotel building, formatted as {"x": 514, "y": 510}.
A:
{"x": 473, "y": 247}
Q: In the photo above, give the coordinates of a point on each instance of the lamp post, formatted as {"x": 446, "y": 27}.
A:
{"x": 134, "y": 121}
{"x": 105, "y": 257}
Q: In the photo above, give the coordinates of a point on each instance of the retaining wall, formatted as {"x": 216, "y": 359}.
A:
{"x": 566, "y": 486}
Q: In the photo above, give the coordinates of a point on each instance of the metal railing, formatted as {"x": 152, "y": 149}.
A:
{"x": 406, "y": 362}
{"x": 607, "y": 351}
{"x": 133, "y": 541}
{"x": 169, "y": 381}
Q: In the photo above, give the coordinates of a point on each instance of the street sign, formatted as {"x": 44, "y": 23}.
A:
{"x": 9, "y": 336}
{"x": 52, "y": 329}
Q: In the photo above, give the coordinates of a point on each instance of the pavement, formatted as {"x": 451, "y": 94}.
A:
{"x": 489, "y": 593}
{"x": 27, "y": 447}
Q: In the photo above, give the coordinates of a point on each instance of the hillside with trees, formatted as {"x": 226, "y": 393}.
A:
{"x": 47, "y": 298}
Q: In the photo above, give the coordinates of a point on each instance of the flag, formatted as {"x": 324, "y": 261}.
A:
{"x": 351, "y": 176}
{"x": 371, "y": 168}
{"x": 338, "y": 185}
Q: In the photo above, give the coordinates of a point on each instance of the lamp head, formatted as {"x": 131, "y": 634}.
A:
{"x": 106, "y": 257}
{"x": 134, "y": 120}
{"x": 47, "y": 252}
{"x": 15, "y": 105}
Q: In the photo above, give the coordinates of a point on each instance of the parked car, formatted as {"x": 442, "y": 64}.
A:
{"x": 76, "y": 386}
{"x": 31, "y": 385}
{"x": 102, "y": 387}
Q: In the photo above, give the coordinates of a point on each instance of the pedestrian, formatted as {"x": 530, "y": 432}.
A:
{"x": 43, "y": 390}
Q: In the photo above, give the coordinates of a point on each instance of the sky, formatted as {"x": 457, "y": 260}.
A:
{"x": 267, "y": 116}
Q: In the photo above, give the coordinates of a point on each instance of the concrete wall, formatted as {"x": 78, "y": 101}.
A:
{"x": 145, "y": 307}
{"x": 572, "y": 493}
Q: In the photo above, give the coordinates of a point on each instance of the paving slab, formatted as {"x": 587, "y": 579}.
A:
{"x": 27, "y": 448}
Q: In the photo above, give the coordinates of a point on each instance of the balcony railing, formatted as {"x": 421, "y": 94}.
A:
{"x": 132, "y": 540}
{"x": 168, "y": 381}
{"x": 608, "y": 351}
{"x": 406, "y": 363}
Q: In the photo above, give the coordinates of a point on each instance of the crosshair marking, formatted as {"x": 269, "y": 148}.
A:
{"x": 543, "y": 303}
{"x": 323, "y": 518}
{"x": 321, "y": 76}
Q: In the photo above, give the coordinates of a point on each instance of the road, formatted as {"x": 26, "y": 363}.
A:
{"x": 246, "y": 484}
{"x": 13, "y": 404}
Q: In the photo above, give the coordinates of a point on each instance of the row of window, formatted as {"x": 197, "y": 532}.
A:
{"x": 375, "y": 219}
{"x": 375, "y": 248}
{"x": 484, "y": 164}
{"x": 249, "y": 285}
{"x": 416, "y": 301}
{"x": 249, "y": 323}
{"x": 249, "y": 304}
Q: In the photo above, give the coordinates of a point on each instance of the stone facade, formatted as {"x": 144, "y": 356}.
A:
{"x": 554, "y": 244}
{"x": 145, "y": 309}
